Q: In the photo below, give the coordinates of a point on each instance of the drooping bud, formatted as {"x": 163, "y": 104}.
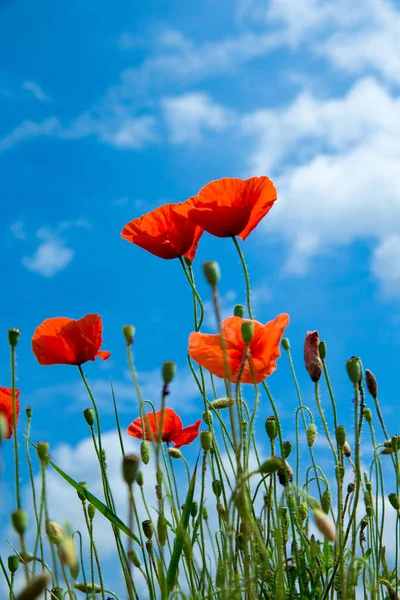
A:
{"x": 89, "y": 416}
{"x": 217, "y": 487}
{"x": 134, "y": 558}
{"x": 81, "y": 497}
{"x": 222, "y": 403}
{"x": 325, "y": 525}
{"x": 207, "y": 418}
{"x": 57, "y": 593}
{"x": 34, "y": 588}
{"x": 367, "y": 415}
{"x": 174, "y": 453}
{"x": 247, "y": 329}
{"x": 346, "y": 449}
{"x": 140, "y": 479}
{"x": 212, "y": 272}
{"x": 162, "y": 530}
{"x": 285, "y": 344}
{"x": 168, "y": 371}
{"x": 67, "y": 552}
{"x": 13, "y": 563}
{"x": 149, "y": 546}
{"x": 326, "y": 501}
{"x": 158, "y": 492}
{"x": 340, "y": 432}
{"x": 285, "y": 474}
{"x": 394, "y": 501}
{"x": 355, "y": 369}
{"x": 286, "y": 449}
{"x": 205, "y": 440}
{"x": 351, "y": 487}
{"x": 129, "y": 333}
{"x": 88, "y": 588}
{"x": 238, "y": 311}
{"x": 26, "y": 557}
{"x": 19, "y": 519}
{"x": 74, "y": 571}
{"x": 271, "y": 428}
{"x": 312, "y": 359}
{"x": 130, "y": 468}
{"x": 364, "y": 523}
{"x": 54, "y": 532}
{"x": 13, "y": 336}
{"x": 322, "y": 350}
{"x": 145, "y": 452}
{"x": 371, "y": 382}
{"x": 271, "y": 465}
{"x": 148, "y": 529}
{"x": 91, "y": 511}
{"x": 311, "y": 434}
{"x": 194, "y": 509}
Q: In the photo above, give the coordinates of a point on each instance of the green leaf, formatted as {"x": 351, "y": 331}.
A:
{"x": 102, "y": 508}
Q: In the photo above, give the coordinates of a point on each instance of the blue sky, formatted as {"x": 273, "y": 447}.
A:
{"x": 106, "y": 114}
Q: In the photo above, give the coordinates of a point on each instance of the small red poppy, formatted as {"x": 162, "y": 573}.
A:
{"x": 6, "y": 408}
{"x": 172, "y": 431}
{"x": 62, "y": 341}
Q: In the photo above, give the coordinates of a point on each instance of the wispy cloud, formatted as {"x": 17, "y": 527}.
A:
{"x": 28, "y": 130}
{"x": 35, "y": 89}
{"x": 18, "y": 230}
{"x": 50, "y": 257}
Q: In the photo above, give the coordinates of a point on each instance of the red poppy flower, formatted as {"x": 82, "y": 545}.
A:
{"x": 264, "y": 349}
{"x": 6, "y": 408}
{"x": 164, "y": 232}
{"x": 229, "y": 207}
{"x": 62, "y": 341}
{"x": 172, "y": 428}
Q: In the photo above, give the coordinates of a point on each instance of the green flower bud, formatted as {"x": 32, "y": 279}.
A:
{"x": 350, "y": 488}
{"x": 34, "y": 588}
{"x": 148, "y": 529}
{"x": 168, "y": 371}
{"x": 89, "y": 416}
{"x": 129, "y": 333}
{"x": 271, "y": 428}
{"x": 162, "y": 530}
{"x": 26, "y": 557}
{"x": 207, "y": 417}
{"x": 204, "y": 513}
{"x": 13, "y": 336}
{"x": 67, "y": 552}
{"x": 217, "y": 487}
{"x": 140, "y": 479}
{"x": 205, "y": 440}
{"x": 364, "y": 523}
{"x": 130, "y": 468}
{"x": 322, "y": 350}
{"x": 81, "y": 497}
{"x": 74, "y": 571}
{"x": 91, "y": 511}
{"x": 367, "y": 415}
{"x": 325, "y": 525}
{"x": 19, "y": 519}
{"x": 311, "y": 434}
{"x": 222, "y": 403}
{"x": 88, "y": 588}
{"x": 340, "y": 432}
{"x": 372, "y": 385}
{"x": 134, "y": 558}
{"x": 394, "y": 501}
{"x": 145, "y": 452}
{"x": 158, "y": 492}
{"x": 238, "y": 311}
{"x": 149, "y": 546}
{"x": 195, "y": 509}
{"x": 286, "y": 449}
{"x": 57, "y": 593}
{"x": 174, "y": 453}
{"x": 285, "y": 344}
{"x": 355, "y": 369}
{"x": 159, "y": 477}
{"x": 247, "y": 329}
{"x": 326, "y": 501}
{"x": 13, "y": 563}
{"x": 212, "y": 272}
{"x": 28, "y": 411}
{"x": 42, "y": 450}
{"x": 54, "y": 532}
{"x": 271, "y": 465}
{"x": 303, "y": 510}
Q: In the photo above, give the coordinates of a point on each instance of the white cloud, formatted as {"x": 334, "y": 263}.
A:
{"x": 49, "y": 258}
{"x": 36, "y": 90}
{"x": 18, "y": 230}
{"x": 386, "y": 265}
{"x": 28, "y": 130}
{"x": 189, "y": 116}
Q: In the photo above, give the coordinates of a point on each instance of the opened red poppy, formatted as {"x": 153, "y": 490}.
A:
{"x": 264, "y": 349}
{"x": 172, "y": 431}
{"x": 6, "y": 409}
{"x": 230, "y": 207}
{"x": 62, "y": 341}
{"x": 164, "y": 232}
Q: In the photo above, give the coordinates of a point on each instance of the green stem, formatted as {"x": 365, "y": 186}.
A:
{"x": 246, "y": 275}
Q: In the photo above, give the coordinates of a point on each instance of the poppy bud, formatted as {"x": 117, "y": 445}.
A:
{"x": 394, "y": 501}
{"x": 89, "y": 416}
{"x": 205, "y": 440}
{"x": 3, "y": 427}
{"x": 26, "y": 557}
{"x": 67, "y": 552}
{"x": 145, "y": 452}
{"x": 247, "y": 329}
{"x": 140, "y": 479}
{"x": 372, "y": 385}
{"x": 369, "y": 510}
{"x": 13, "y": 336}
{"x": 325, "y": 525}
{"x": 367, "y": 415}
{"x": 195, "y": 509}
{"x": 207, "y": 417}
{"x": 364, "y": 523}
{"x": 285, "y": 344}
{"x": 161, "y": 530}
{"x": 346, "y": 449}
{"x": 19, "y": 519}
{"x": 149, "y": 546}
{"x": 270, "y": 428}
{"x": 285, "y": 474}
{"x": 91, "y": 511}
{"x": 148, "y": 529}
{"x": 158, "y": 492}
{"x": 174, "y": 453}
{"x": 322, "y": 350}
{"x": 168, "y": 371}
{"x": 88, "y": 588}
{"x": 129, "y": 332}
{"x": 13, "y": 563}
{"x": 217, "y": 487}
{"x": 221, "y": 510}
{"x": 286, "y": 449}
{"x": 311, "y": 355}
{"x": 28, "y": 411}
{"x": 271, "y": 465}
{"x": 74, "y": 570}
{"x": 222, "y": 403}
{"x": 130, "y": 468}
{"x": 204, "y": 513}
{"x": 54, "y": 532}
{"x": 57, "y": 593}
{"x": 326, "y": 501}
{"x": 159, "y": 476}
{"x": 395, "y": 443}
{"x": 81, "y": 497}
{"x": 42, "y": 450}
{"x": 238, "y": 311}
{"x": 34, "y": 588}
{"x": 212, "y": 272}
{"x": 311, "y": 434}
{"x": 134, "y": 558}
{"x": 340, "y": 432}
{"x": 303, "y": 510}
{"x": 355, "y": 369}
{"x": 350, "y": 488}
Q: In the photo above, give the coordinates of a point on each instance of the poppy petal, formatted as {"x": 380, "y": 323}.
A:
{"x": 205, "y": 349}
{"x": 271, "y": 337}
{"x": 6, "y": 409}
{"x": 47, "y": 344}
{"x": 172, "y": 424}
{"x": 103, "y": 354}
{"x": 186, "y": 435}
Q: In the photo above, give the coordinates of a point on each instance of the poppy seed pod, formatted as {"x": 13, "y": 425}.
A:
{"x": 129, "y": 333}
{"x": 174, "y": 453}
{"x": 286, "y": 449}
{"x": 205, "y": 440}
{"x": 311, "y": 434}
{"x": 271, "y": 428}
{"x": 222, "y": 403}
{"x": 140, "y": 479}
{"x": 57, "y": 593}
{"x": 212, "y": 272}
{"x": 325, "y": 525}
{"x": 247, "y": 329}
{"x": 312, "y": 359}
{"x": 355, "y": 369}
{"x": 91, "y": 511}
{"x": 130, "y": 468}
{"x": 322, "y": 350}
{"x": 13, "y": 563}
{"x": 367, "y": 415}
{"x": 28, "y": 412}
{"x": 54, "y": 532}
{"x": 340, "y": 433}
{"x": 238, "y": 311}
{"x": 371, "y": 382}
{"x": 145, "y": 452}
{"x": 134, "y": 558}
{"x": 168, "y": 371}
{"x": 89, "y": 416}
{"x": 13, "y": 336}
{"x": 148, "y": 529}
{"x": 42, "y": 450}
{"x": 19, "y": 519}
{"x": 34, "y": 588}
{"x": 285, "y": 344}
